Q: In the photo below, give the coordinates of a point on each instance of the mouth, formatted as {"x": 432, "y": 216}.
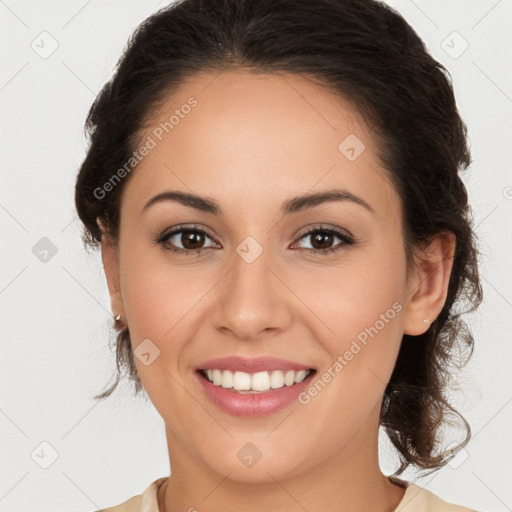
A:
{"x": 256, "y": 382}
{"x": 256, "y": 394}
{"x": 253, "y": 387}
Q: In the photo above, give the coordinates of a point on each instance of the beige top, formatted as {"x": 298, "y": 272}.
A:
{"x": 416, "y": 499}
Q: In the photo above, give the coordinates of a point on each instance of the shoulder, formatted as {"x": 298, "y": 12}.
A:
{"x": 145, "y": 502}
{"x": 418, "y": 499}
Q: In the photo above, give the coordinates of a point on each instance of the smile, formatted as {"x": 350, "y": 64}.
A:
{"x": 260, "y": 382}
{"x": 253, "y": 395}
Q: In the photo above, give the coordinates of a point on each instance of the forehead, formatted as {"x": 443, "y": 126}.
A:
{"x": 254, "y": 139}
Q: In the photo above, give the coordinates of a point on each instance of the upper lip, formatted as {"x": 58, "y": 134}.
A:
{"x": 251, "y": 365}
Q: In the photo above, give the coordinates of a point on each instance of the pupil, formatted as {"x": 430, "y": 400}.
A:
{"x": 189, "y": 239}
{"x": 193, "y": 240}
{"x": 326, "y": 240}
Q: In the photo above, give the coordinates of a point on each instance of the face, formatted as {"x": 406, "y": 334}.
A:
{"x": 320, "y": 284}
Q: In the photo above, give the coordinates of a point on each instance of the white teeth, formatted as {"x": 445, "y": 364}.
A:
{"x": 260, "y": 381}
{"x": 300, "y": 376}
{"x": 227, "y": 380}
{"x": 289, "y": 378}
{"x": 217, "y": 377}
{"x": 256, "y": 382}
{"x": 241, "y": 381}
{"x": 276, "y": 379}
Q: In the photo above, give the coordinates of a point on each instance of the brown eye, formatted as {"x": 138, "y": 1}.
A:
{"x": 323, "y": 238}
{"x": 191, "y": 240}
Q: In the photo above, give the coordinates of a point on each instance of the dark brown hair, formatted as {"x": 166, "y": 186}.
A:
{"x": 363, "y": 51}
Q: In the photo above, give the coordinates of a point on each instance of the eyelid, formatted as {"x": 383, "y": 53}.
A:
{"x": 323, "y": 227}
{"x": 182, "y": 227}
{"x": 346, "y": 238}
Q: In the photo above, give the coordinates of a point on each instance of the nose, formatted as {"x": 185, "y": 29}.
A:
{"x": 253, "y": 300}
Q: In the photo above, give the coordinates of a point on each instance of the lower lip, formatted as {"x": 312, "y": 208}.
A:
{"x": 253, "y": 405}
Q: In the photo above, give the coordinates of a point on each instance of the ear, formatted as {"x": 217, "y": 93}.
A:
{"x": 109, "y": 255}
{"x": 428, "y": 287}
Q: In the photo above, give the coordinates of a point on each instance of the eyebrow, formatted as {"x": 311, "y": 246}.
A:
{"x": 291, "y": 206}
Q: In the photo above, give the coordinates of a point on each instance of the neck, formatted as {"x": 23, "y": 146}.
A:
{"x": 349, "y": 480}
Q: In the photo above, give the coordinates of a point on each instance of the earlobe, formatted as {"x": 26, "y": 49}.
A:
{"x": 428, "y": 288}
{"x": 109, "y": 256}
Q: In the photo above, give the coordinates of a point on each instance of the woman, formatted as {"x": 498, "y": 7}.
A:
{"x": 286, "y": 240}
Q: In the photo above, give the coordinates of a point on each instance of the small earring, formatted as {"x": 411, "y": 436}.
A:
{"x": 117, "y": 318}
{"x": 426, "y": 320}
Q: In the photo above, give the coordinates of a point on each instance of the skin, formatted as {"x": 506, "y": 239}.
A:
{"x": 252, "y": 142}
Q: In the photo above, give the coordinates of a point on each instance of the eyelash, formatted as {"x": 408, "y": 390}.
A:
{"x": 346, "y": 240}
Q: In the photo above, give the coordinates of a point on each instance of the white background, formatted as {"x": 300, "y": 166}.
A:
{"x": 55, "y": 315}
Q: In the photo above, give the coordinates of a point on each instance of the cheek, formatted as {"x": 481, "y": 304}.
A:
{"x": 367, "y": 325}
{"x": 353, "y": 296}
{"x": 155, "y": 297}
{"x": 360, "y": 305}
{"x": 158, "y": 309}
